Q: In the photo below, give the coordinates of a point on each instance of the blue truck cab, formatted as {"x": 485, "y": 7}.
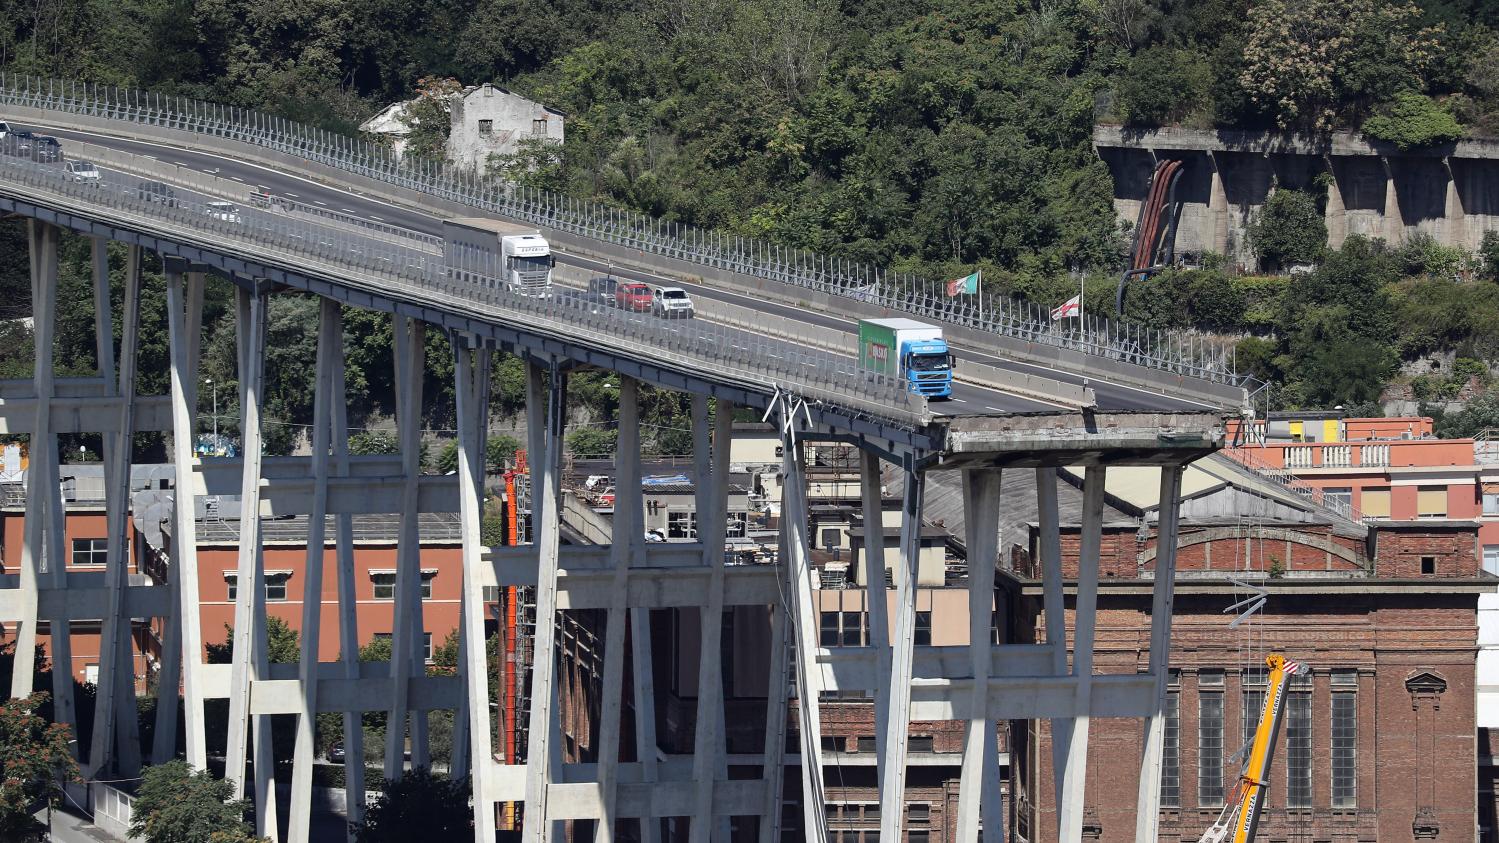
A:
{"x": 917, "y": 352}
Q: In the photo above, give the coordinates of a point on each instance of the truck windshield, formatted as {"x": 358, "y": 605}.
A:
{"x": 541, "y": 264}
{"x": 929, "y": 362}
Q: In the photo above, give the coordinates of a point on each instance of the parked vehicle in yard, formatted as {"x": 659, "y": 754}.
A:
{"x": 913, "y": 351}
{"x": 633, "y": 295}
{"x": 602, "y": 287}
{"x": 672, "y": 303}
{"x": 83, "y": 172}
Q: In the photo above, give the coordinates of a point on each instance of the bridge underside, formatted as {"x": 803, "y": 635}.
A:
{"x": 984, "y": 684}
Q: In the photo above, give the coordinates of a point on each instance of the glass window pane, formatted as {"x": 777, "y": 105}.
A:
{"x": 1344, "y": 749}
{"x": 829, "y": 628}
{"x": 1210, "y": 749}
{"x": 1299, "y": 750}
{"x": 1171, "y": 754}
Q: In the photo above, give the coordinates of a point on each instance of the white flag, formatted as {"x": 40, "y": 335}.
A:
{"x": 1069, "y": 308}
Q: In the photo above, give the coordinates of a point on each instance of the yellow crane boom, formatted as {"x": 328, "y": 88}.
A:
{"x": 1241, "y": 816}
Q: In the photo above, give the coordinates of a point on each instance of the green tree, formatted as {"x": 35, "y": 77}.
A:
{"x": 499, "y": 450}
{"x": 591, "y": 441}
{"x": 1289, "y": 229}
{"x": 282, "y": 644}
{"x": 34, "y": 755}
{"x": 176, "y": 804}
{"x": 1488, "y": 253}
{"x": 1413, "y": 121}
{"x": 427, "y": 117}
{"x": 1162, "y": 85}
{"x": 447, "y": 459}
{"x": 418, "y": 806}
{"x": 367, "y": 442}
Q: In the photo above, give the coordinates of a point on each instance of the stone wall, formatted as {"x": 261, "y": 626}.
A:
{"x": 1450, "y": 192}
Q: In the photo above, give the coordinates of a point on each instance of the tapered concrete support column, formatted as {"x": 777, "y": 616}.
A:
{"x": 249, "y": 656}
{"x": 184, "y": 371}
{"x": 1336, "y": 214}
{"x": 545, "y": 418}
{"x": 114, "y": 706}
{"x": 1053, "y": 605}
{"x": 1454, "y": 218}
{"x": 978, "y": 793}
{"x": 874, "y": 596}
{"x": 628, "y": 528}
{"x": 1217, "y": 206}
{"x": 777, "y": 704}
{"x": 410, "y": 364}
{"x": 41, "y": 452}
{"x": 348, "y": 617}
{"x": 329, "y": 357}
{"x": 1148, "y": 810}
{"x": 1394, "y": 221}
{"x": 798, "y": 568}
{"x": 897, "y": 731}
{"x": 709, "y": 764}
{"x": 471, "y": 372}
{"x": 1075, "y": 770}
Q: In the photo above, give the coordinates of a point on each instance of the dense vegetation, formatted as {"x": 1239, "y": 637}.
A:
{"x": 939, "y": 135}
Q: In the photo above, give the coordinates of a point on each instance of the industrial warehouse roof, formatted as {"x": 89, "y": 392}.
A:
{"x": 433, "y": 527}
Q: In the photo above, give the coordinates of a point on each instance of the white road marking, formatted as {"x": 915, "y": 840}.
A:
{"x": 959, "y": 400}
{"x": 995, "y": 409}
{"x": 293, "y": 195}
{"x": 347, "y": 210}
{"x": 236, "y": 178}
{"x": 373, "y": 217}
{"x": 316, "y": 202}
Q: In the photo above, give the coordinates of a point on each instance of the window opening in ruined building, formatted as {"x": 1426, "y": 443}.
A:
{"x": 539, "y": 127}
{"x": 921, "y": 743}
{"x": 486, "y": 127}
{"x": 1344, "y": 738}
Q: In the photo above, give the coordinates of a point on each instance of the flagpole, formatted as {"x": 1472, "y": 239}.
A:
{"x": 1082, "y": 289}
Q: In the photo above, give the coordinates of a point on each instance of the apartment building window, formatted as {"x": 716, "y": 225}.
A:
{"x": 923, "y": 628}
{"x": 921, "y": 743}
{"x": 1171, "y": 749}
{"x": 1338, "y": 495}
{"x": 385, "y": 584}
{"x": 1345, "y": 738}
{"x": 275, "y": 585}
{"x": 918, "y": 813}
{"x": 1299, "y": 743}
{"x": 1375, "y": 502}
{"x": 90, "y": 551}
{"x": 1491, "y": 558}
{"x": 1210, "y": 739}
{"x": 1491, "y": 503}
{"x": 1431, "y": 501}
{"x": 486, "y": 127}
{"x": 843, "y": 629}
{"x": 681, "y": 524}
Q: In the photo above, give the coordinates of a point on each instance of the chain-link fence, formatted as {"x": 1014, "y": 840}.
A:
{"x": 388, "y": 267}
{"x": 1181, "y": 353}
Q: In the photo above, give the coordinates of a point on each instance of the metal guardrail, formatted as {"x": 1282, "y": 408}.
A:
{"x": 473, "y": 288}
{"x": 1246, "y": 457}
{"x": 1180, "y": 353}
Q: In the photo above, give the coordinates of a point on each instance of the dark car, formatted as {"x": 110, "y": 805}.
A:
{"x": 602, "y": 287}
{"x": 19, "y": 143}
{"x": 155, "y": 191}
{"x": 46, "y": 148}
{"x": 336, "y": 752}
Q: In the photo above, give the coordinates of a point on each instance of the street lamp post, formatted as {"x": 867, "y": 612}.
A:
{"x": 215, "y": 389}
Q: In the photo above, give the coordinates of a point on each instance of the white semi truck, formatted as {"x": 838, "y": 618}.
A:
{"x": 476, "y": 247}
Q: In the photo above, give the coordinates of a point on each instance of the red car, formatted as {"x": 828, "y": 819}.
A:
{"x": 633, "y": 295}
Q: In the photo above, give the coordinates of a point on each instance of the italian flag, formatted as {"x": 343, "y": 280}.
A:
{"x": 968, "y": 284}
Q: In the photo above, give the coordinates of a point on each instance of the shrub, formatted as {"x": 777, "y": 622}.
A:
{"x": 1412, "y": 121}
{"x": 1162, "y": 85}
{"x": 176, "y": 804}
{"x": 1289, "y": 229}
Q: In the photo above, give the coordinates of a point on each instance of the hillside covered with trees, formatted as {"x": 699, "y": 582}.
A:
{"x": 937, "y": 136}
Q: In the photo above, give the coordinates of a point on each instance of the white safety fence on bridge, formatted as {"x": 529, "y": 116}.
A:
{"x": 1183, "y": 354}
{"x": 412, "y": 272}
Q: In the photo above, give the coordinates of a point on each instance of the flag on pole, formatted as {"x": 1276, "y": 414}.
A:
{"x": 968, "y": 284}
{"x": 1069, "y": 308}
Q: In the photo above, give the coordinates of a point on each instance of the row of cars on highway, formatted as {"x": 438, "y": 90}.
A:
{"x": 639, "y": 297}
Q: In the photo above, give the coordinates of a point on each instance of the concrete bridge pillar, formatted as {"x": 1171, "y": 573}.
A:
{"x": 1394, "y": 223}
{"x": 1217, "y": 206}
{"x": 1454, "y": 220}
{"x": 1335, "y": 215}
